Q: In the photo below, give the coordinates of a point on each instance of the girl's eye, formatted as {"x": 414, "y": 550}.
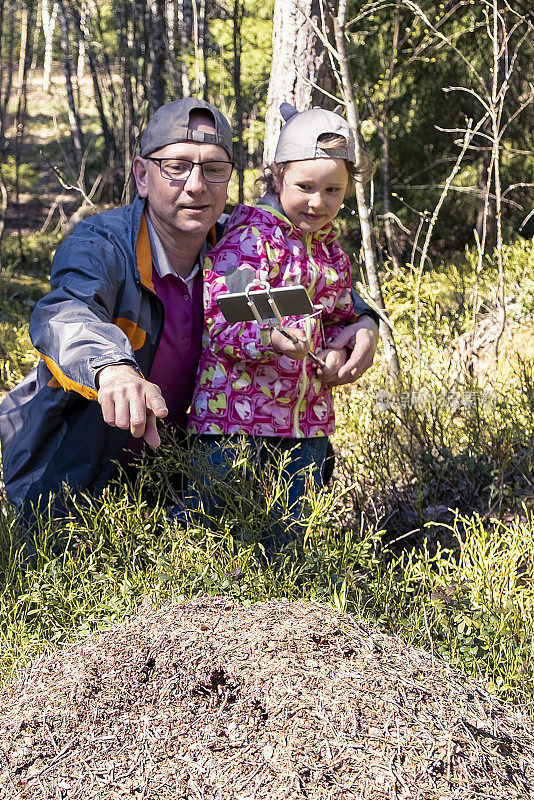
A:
{"x": 304, "y": 186}
{"x": 333, "y": 189}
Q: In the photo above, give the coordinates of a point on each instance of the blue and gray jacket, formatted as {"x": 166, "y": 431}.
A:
{"x": 101, "y": 310}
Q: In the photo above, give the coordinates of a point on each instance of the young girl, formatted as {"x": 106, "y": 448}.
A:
{"x": 252, "y": 380}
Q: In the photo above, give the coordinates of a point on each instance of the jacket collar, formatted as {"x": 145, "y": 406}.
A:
{"x": 143, "y": 254}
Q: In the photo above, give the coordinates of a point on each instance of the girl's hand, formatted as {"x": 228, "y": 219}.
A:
{"x": 297, "y": 349}
{"x": 362, "y": 338}
{"x": 334, "y": 359}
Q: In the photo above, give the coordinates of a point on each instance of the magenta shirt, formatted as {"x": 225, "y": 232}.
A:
{"x": 175, "y": 366}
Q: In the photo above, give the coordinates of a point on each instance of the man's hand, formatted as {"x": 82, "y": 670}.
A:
{"x": 362, "y": 337}
{"x": 296, "y": 349}
{"x": 128, "y": 401}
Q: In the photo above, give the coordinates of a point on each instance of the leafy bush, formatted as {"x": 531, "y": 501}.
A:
{"x": 17, "y": 354}
{"x": 28, "y": 262}
{"x": 28, "y": 177}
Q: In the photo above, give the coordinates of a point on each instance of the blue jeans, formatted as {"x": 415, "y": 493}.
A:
{"x": 305, "y": 457}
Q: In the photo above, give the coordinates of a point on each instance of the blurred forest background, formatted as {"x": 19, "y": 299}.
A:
{"x": 429, "y": 527}
{"x": 443, "y": 94}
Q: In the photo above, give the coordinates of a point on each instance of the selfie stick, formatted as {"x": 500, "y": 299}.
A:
{"x": 276, "y": 313}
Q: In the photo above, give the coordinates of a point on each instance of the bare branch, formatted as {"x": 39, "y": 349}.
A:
{"x": 474, "y": 190}
{"x": 514, "y": 186}
{"x": 319, "y": 88}
{"x": 448, "y": 182}
{"x": 319, "y": 32}
{"x": 366, "y": 12}
{"x": 395, "y": 218}
{"x": 418, "y": 10}
{"x": 465, "y": 89}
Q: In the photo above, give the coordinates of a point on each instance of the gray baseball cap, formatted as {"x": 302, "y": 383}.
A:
{"x": 298, "y": 137}
{"x": 170, "y": 124}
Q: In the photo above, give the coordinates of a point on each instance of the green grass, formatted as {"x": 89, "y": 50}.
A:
{"x": 472, "y": 603}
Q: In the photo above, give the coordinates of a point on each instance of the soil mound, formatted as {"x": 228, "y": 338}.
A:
{"x": 208, "y": 700}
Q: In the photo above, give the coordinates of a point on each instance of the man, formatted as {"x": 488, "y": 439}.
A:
{"x": 120, "y": 331}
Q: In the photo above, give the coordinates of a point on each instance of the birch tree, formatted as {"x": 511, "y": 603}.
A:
{"x": 300, "y": 63}
{"x": 368, "y": 247}
{"x": 238, "y": 116}
{"x": 185, "y": 29}
{"x": 74, "y": 118}
{"x": 6, "y": 85}
{"x": 48, "y": 22}
{"x": 158, "y": 62}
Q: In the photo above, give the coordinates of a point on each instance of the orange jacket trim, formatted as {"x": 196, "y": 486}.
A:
{"x": 66, "y": 383}
{"x": 135, "y": 334}
{"x": 143, "y": 254}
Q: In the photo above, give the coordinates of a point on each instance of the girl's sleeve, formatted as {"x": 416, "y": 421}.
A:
{"x": 240, "y": 341}
{"x": 342, "y": 311}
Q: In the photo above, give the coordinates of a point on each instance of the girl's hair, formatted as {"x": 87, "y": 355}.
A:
{"x": 273, "y": 174}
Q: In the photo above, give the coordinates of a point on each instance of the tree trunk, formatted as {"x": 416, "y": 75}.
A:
{"x": 238, "y": 117}
{"x": 486, "y": 195}
{"x": 25, "y": 59}
{"x": 1, "y": 43}
{"x": 74, "y": 119}
{"x": 204, "y": 47}
{"x": 300, "y": 64}
{"x": 21, "y": 74}
{"x": 5, "y": 96}
{"x": 49, "y": 23}
{"x": 110, "y": 143}
{"x": 157, "y": 51}
{"x": 24, "y": 68}
{"x": 80, "y": 67}
{"x": 388, "y": 341}
{"x": 7, "y": 79}
{"x": 173, "y": 46}
{"x": 127, "y": 135}
{"x": 36, "y": 31}
{"x": 386, "y": 195}
{"x": 199, "y": 21}
{"x": 252, "y": 150}
{"x": 382, "y": 131}
{"x": 136, "y": 44}
{"x": 3, "y": 109}
{"x": 3, "y": 210}
{"x": 185, "y": 28}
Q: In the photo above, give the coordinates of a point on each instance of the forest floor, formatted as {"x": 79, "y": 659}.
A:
{"x": 275, "y": 701}
{"x": 48, "y": 192}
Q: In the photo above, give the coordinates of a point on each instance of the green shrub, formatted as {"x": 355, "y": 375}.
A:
{"x": 17, "y": 354}
{"x": 472, "y": 604}
{"x": 28, "y": 176}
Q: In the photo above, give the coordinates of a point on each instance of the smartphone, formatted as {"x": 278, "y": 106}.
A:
{"x": 291, "y": 301}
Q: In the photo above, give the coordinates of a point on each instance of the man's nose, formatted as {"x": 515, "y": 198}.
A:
{"x": 195, "y": 180}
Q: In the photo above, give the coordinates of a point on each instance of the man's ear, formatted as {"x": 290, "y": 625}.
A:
{"x": 139, "y": 169}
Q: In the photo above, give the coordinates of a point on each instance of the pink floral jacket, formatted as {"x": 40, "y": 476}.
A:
{"x": 243, "y": 384}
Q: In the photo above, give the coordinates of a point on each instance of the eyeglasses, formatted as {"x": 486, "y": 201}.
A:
{"x": 179, "y": 169}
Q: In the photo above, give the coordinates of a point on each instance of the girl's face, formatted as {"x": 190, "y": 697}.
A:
{"x": 312, "y": 191}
